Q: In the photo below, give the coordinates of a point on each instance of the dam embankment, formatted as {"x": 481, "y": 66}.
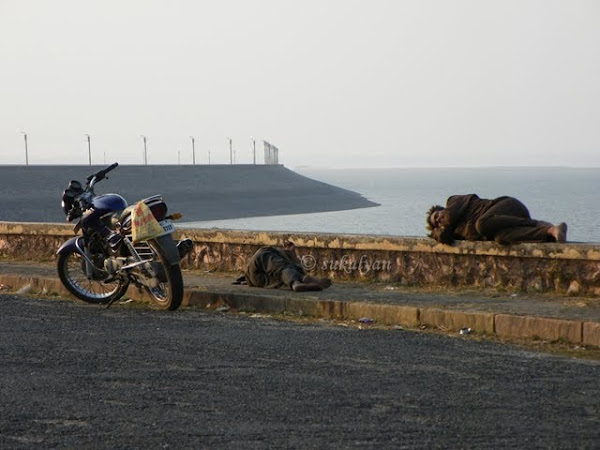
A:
{"x": 201, "y": 192}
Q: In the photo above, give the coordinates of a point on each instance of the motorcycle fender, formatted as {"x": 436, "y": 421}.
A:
{"x": 169, "y": 249}
{"x": 71, "y": 245}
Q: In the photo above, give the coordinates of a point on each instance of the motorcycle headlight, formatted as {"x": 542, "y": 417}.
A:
{"x": 68, "y": 198}
{"x": 75, "y": 186}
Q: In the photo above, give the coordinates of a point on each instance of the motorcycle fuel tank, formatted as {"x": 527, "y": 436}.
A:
{"x": 108, "y": 203}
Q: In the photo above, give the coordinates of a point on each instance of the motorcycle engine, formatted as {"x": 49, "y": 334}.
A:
{"x": 112, "y": 265}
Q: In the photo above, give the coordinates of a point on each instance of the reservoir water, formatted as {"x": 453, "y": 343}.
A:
{"x": 553, "y": 194}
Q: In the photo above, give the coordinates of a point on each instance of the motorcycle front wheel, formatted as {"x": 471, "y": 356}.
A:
{"x": 168, "y": 294}
{"x": 71, "y": 271}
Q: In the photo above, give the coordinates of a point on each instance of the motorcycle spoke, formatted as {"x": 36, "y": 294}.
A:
{"x": 79, "y": 280}
{"x": 160, "y": 292}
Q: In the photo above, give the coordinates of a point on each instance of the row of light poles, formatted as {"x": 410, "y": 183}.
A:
{"x": 27, "y": 150}
{"x": 145, "y": 155}
{"x": 26, "y": 153}
{"x": 193, "y": 140}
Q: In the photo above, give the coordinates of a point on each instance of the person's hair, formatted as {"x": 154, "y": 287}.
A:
{"x": 431, "y": 210}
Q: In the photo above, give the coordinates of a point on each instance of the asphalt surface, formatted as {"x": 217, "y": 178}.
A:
{"x": 79, "y": 376}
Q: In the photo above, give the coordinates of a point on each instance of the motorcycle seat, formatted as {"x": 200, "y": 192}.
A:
{"x": 150, "y": 201}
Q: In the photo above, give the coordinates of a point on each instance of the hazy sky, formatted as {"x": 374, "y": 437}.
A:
{"x": 334, "y": 83}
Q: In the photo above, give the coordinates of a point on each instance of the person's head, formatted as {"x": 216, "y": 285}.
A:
{"x": 434, "y": 216}
{"x": 290, "y": 248}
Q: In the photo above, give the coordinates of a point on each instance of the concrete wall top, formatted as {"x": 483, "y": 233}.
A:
{"x": 570, "y": 251}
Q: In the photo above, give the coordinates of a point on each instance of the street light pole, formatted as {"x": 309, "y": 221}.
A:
{"x": 145, "y": 149}
{"x": 89, "y": 148}
{"x": 26, "y": 152}
{"x": 230, "y": 151}
{"x": 209, "y": 156}
{"x": 254, "y": 150}
{"x": 193, "y": 150}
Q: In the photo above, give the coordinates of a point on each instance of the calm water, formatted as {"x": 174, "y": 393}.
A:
{"x": 571, "y": 195}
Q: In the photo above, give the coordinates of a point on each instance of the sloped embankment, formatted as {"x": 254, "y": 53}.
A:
{"x": 33, "y": 193}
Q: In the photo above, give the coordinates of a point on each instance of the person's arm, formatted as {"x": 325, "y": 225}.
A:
{"x": 443, "y": 235}
{"x": 456, "y": 207}
{"x": 452, "y": 215}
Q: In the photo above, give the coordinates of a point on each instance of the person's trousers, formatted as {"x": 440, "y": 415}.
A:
{"x": 509, "y": 222}
{"x": 291, "y": 274}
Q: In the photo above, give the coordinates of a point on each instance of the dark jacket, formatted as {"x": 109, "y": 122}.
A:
{"x": 266, "y": 266}
{"x": 461, "y": 213}
{"x": 464, "y": 215}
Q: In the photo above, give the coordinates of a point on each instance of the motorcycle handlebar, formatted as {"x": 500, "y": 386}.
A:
{"x": 100, "y": 175}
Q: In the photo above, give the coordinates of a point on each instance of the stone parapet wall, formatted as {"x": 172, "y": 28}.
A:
{"x": 572, "y": 268}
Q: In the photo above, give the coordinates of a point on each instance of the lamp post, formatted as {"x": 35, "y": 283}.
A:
{"x": 145, "y": 149}
{"x": 253, "y": 150}
{"x": 193, "y": 150}
{"x": 230, "y": 151}
{"x": 26, "y": 152}
{"x": 209, "y": 156}
{"x": 89, "y": 148}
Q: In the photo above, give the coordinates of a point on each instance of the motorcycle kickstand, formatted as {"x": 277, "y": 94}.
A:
{"x": 109, "y": 304}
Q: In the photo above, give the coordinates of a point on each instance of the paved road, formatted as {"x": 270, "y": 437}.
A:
{"x": 77, "y": 376}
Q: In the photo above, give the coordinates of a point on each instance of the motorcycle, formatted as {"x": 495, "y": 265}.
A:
{"x": 99, "y": 265}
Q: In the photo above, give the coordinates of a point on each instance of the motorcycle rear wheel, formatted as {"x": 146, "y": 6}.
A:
{"x": 169, "y": 292}
{"x": 71, "y": 271}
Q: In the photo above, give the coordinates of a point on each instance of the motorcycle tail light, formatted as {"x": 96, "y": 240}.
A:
{"x": 159, "y": 211}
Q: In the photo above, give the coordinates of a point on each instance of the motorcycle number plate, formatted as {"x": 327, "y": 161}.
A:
{"x": 167, "y": 226}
